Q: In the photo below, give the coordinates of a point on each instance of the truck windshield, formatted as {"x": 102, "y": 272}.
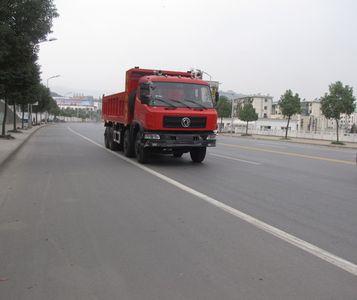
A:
{"x": 180, "y": 95}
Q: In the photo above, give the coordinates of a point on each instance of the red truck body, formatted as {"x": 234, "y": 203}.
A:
{"x": 160, "y": 111}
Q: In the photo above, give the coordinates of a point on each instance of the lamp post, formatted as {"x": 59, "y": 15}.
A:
{"x": 49, "y": 40}
{"x": 55, "y": 76}
{"x": 210, "y": 77}
{"x": 232, "y": 113}
{"x": 48, "y": 79}
{"x": 29, "y": 117}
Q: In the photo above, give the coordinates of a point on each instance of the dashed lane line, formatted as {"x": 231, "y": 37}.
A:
{"x": 236, "y": 159}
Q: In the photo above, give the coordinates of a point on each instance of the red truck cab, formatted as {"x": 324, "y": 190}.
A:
{"x": 161, "y": 112}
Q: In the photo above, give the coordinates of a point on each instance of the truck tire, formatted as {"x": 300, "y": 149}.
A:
{"x": 128, "y": 145}
{"x": 121, "y": 144}
{"x": 106, "y": 139}
{"x": 142, "y": 154}
{"x": 112, "y": 145}
{"x": 198, "y": 154}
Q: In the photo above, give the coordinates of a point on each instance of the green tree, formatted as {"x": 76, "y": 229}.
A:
{"x": 23, "y": 24}
{"x": 44, "y": 99}
{"x": 53, "y": 108}
{"x": 339, "y": 100}
{"x": 15, "y": 75}
{"x": 247, "y": 113}
{"x": 289, "y": 105}
{"x": 224, "y": 108}
{"x": 23, "y": 89}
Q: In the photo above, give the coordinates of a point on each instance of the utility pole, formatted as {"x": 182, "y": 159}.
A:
{"x": 232, "y": 115}
{"x": 48, "y": 79}
{"x": 29, "y": 117}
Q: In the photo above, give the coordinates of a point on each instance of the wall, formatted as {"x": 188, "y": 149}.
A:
{"x": 10, "y": 114}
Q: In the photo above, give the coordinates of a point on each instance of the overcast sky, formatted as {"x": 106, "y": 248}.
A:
{"x": 250, "y": 46}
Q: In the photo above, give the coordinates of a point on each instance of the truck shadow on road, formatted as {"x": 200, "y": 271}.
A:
{"x": 159, "y": 160}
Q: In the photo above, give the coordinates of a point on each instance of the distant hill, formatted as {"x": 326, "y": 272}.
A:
{"x": 230, "y": 94}
{"x": 53, "y": 94}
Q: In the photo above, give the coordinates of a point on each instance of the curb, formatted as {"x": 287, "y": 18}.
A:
{"x": 17, "y": 149}
{"x": 323, "y": 145}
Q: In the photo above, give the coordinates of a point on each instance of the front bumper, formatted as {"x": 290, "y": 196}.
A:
{"x": 180, "y": 140}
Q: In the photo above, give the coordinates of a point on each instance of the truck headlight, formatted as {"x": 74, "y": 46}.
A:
{"x": 211, "y": 137}
{"x": 151, "y": 136}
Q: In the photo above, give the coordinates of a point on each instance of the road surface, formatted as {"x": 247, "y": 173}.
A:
{"x": 257, "y": 220}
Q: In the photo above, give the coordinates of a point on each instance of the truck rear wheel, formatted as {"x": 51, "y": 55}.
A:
{"x": 110, "y": 136}
{"x": 142, "y": 154}
{"x": 106, "y": 139}
{"x": 128, "y": 145}
{"x": 121, "y": 144}
{"x": 198, "y": 154}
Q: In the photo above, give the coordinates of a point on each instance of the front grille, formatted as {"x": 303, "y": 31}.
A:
{"x": 176, "y": 122}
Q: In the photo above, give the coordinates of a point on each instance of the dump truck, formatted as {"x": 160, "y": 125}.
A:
{"x": 165, "y": 112}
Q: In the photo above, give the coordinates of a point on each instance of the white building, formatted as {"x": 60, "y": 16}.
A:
{"x": 261, "y": 103}
{"x": 78, "y": 102}
{"x": 259, "y": 125}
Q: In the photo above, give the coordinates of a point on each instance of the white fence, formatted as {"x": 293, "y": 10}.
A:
{"x": 329, "y": 136}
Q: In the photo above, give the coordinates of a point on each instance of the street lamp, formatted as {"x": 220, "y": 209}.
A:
{"x": 49, "y": 40}
{"x": 232, "y": 113}
{"x": 48, "y": 79}
{"x": 210, "y": 77}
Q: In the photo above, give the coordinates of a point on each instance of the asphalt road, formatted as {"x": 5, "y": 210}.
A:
{"x": 80, "y": 222}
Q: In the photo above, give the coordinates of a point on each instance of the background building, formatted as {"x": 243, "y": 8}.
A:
{"x": 261, "y": 103}
{"x": 310, "y": 123}
{"x": 77, "y": 102}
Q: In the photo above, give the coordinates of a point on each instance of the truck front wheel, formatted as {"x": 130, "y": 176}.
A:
{"x": 198, "y": 154}
{"x": 141, "y": 153}
{"x": 128, "y": 145}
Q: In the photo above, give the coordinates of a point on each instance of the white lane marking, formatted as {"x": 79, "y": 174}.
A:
{"x": 236, "y": 159}
{"x": 289, "y": 238}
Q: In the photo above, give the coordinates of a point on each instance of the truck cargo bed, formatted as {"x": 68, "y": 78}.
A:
{"x": 115, "y": 108}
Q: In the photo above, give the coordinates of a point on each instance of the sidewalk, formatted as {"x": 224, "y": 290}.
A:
{"x": 294, "y": 140}
{"x": 9, "y": 147}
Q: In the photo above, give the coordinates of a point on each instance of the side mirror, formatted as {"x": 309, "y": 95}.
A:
{"x": 216, "y": 97}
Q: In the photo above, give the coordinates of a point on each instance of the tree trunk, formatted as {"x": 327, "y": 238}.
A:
{"x": 14, "y": 122}
{"x": 4, "y": 119}
{"x": 23, "y": 116}
{"x": 220, "y": 128}
{"x": 337, "y": 130}
{"x": 287, "y": 128}
{"x": 246, "y": 129}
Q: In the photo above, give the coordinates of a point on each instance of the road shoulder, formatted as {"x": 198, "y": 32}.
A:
{"x": 9, "y": 147}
